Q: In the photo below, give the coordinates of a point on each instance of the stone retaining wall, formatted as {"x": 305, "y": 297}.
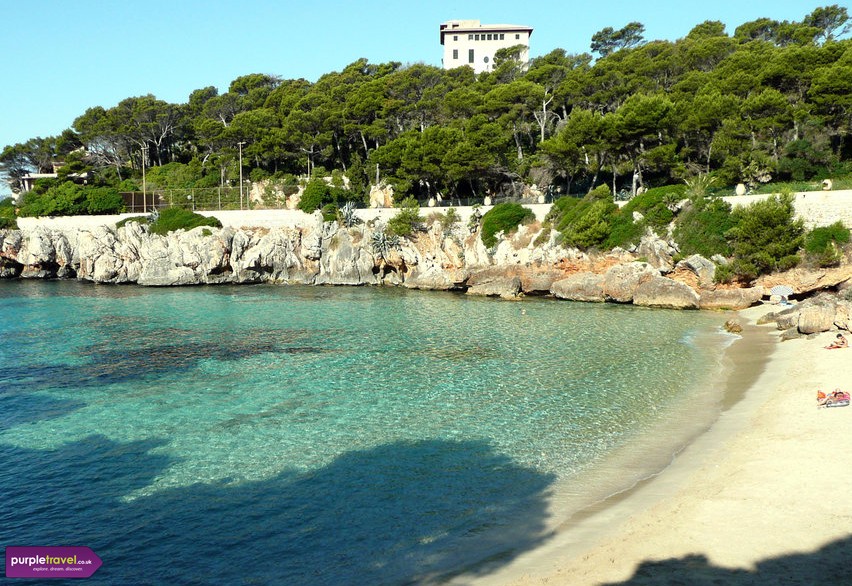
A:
{"x": 816, "y": 208}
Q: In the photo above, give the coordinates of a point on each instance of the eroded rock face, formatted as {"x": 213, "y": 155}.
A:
{"x": 660, "y": 291}
{"x": 580, "y": 287}
{"x": 729, "y": 298}
{"x": 528, "y": 262}
{"x": 621, "y": 281}
{"x": 816, "y": 318}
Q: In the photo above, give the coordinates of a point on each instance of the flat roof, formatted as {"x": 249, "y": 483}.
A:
{"x": 473, "y": 26}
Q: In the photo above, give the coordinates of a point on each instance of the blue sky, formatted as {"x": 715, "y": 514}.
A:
{"x": 63, "y": 57}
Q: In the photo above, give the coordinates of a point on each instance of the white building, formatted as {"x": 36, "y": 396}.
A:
{"x": 466, "y": 42}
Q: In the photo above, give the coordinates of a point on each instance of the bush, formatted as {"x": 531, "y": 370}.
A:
{"x": 8, "y": 219}
{"x": 329, "y": 212}
{"x": 655, "y": 205}
{"x": 404, "y": 222}
{"x": 504, "y": 217}
{"x": 104, "y": 200}
{"x": 143, "y": 220}
{"x": 584, "y": 223}
{"x": 823, "y": 244}
{"x": 701, "y": 227}
{"x": 315, "y": 195}
{"x": 765, "y": 237}
{"x": 171, "y": 219}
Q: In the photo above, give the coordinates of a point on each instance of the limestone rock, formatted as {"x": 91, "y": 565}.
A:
{"x": 657, "y": 251}
{"x": 661, "y": 291}
{"x": 816, "y": 318}
{"x": 704, "y": 269}
{"x": 580, "y": 287}
{"x": 843, "y": 315}
{"x": 791, "y": 334}
{"x": 729, "y": 298}
{"x": 733, "y": 326}
{"x": 621, "y": 281}
{"x": 494, "y": 284}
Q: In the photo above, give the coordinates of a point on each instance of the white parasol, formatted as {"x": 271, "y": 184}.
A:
{"x": 782, "y": 290}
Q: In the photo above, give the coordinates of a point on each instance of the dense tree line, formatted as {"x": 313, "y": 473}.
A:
{"x": 771, "y": 101}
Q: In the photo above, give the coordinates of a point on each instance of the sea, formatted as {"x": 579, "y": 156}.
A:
{"x": 330, "y": 435}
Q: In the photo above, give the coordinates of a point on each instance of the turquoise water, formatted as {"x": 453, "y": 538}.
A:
{"x": 298, "y": 435}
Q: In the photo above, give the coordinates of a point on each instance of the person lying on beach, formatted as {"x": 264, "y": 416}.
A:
{"x": 839, "y": 342}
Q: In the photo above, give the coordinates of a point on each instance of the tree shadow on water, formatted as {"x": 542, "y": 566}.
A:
{"x": 400, "y": 513}
{"x": 828, "y": 566}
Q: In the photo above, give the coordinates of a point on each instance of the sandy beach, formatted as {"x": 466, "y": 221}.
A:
{"x": 760, "y": 498}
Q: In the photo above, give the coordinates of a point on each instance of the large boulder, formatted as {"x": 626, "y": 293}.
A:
{"x": 494, "y": 283}
{"x": 344, "y": 262}
{"x": 730, "y": 298}
{"x": 580, "y": 287}
{"x": 660, "y": 291}
{"x": 657, "y": 251}
{"x": 621, "y": 281}
{"x": 843, "y": 315}
{"x": 702, "y": 268}
{"x": 816, "y": 318}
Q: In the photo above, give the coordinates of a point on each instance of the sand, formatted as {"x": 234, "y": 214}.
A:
{"x": 763, "y": 497}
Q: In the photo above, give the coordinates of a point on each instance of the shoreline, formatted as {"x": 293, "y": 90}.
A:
{"x": 740, "y": 502}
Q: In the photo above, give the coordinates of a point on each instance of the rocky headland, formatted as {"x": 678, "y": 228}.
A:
{"x": 529, "y": 262}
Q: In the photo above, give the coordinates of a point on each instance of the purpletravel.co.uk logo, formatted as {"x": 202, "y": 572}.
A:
{"x": 51, "y": 562}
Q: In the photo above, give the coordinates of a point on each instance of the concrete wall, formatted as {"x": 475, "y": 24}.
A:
{"x": 816, "y": 208}
{"x": 256, "y": 218}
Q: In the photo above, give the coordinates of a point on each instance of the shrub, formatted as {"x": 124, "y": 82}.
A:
{"x": 403, "y": 223}
{"x": 765, "y": 237}
{"x": 104, "y": 200}
{"x": 702, "y": 226}
{"x": 503, "y": 217}
{"x": 823, "y": 244}
{"x": 171, "y": 219}
{"x": 655, "y": 205}
{"x": 315, "y": 195}
{"x": 8, "y": 219}
{"x": 143, "y": 220}
{"x": 329, "y": 212}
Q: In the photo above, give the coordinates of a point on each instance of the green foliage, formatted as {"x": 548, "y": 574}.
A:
{"x": 588, "y": 224}
{"x": 823, "y": 245}
{"x": 766, "y": 237}
{"x": 143, "y": 220}
{"x": 69, "y": 199}
{"x": 8, "y": 218}
{"x": 503, "y": 217}
{"x": 329, "y": 212}
{"x": 655, "y": 206}
{"x": 406, "y": 219}
{"x": 171, "y": 219}
{"x": 702, "y": 226}
{"x": 104, "y": 200}
{"x": 318, "y": 194}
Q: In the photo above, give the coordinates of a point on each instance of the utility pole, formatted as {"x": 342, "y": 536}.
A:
{"x": 144, "y": 187}
{"x": 240, "y": 144}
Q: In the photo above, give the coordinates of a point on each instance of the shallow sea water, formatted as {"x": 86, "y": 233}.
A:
{"x": 299, "y": 435}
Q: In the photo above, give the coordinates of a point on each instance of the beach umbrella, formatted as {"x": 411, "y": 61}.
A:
{"x": 782, "y": 290}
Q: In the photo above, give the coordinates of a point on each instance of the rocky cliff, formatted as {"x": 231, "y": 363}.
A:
{"x": 530, "y": 262}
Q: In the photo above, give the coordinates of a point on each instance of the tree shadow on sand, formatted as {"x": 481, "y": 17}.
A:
{"x": 400, "y": 513}
{"x": 828, "y": 566}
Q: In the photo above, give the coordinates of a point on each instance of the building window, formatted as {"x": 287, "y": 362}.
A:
{"x": 502, "y": 36}
{"x": 489, "y": 36}
{"x": 469, "y": 37}
{"x": 455, "y": 53}
{"x": 517, "y": 36}
{"x": 470, "y": 55}
{"x": 455, "y": 37}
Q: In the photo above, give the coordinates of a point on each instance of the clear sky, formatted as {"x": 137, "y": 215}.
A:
{"x": 62, "y": 57}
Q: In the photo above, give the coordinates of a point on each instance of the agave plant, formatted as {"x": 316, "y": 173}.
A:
{"x": 383, "y": 242}
{"x": 347, "y": 215}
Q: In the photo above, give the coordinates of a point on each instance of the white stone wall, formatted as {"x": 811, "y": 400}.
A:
{"x": 816, "y": 208}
